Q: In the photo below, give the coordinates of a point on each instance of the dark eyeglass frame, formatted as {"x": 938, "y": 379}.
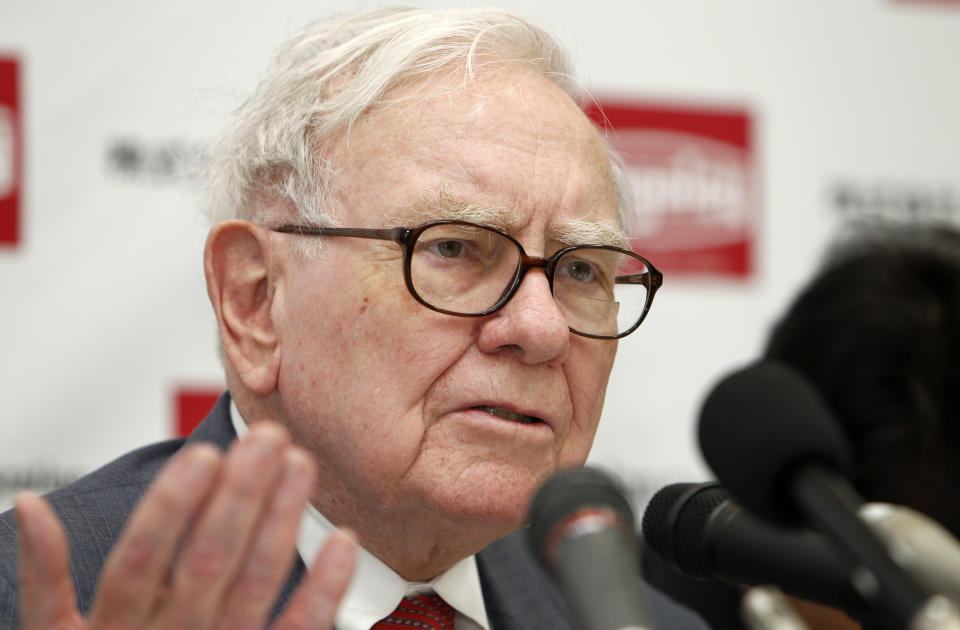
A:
{"x": 407, "y": 237}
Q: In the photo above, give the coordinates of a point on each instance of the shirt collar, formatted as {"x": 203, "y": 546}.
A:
{"x": 376, "y": 589}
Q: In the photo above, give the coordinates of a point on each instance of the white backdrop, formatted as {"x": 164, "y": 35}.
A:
{"x": 103, "y": 313}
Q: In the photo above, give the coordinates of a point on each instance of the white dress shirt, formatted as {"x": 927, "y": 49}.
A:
{"x": 376, "y": 589}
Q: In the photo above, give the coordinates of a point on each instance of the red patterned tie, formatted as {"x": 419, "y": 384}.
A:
{"x": 427, "y": 611}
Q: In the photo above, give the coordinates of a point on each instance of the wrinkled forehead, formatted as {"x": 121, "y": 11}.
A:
{"x": 505, "y": 147}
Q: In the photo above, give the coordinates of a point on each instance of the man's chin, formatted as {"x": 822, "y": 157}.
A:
{"x": 503, "y": 507}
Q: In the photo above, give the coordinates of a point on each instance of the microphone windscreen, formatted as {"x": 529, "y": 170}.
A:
{"x": 568, "y": 492}
{"x": 761, "y": 423}
{"x": 675, "y": 520}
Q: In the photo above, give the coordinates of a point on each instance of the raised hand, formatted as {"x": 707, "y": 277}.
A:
{"x": 237, "y": 515}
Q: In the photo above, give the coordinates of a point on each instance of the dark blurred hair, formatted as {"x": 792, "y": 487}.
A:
{"x": 878, "y": 332}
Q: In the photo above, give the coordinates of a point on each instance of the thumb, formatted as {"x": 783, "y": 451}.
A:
{"x": 47, "y": 598}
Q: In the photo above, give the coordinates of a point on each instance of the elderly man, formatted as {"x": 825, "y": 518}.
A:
{"x": 417, "y": 272}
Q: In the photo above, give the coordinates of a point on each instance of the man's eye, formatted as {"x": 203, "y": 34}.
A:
{"x": 446, "y": 249}
{"x": 579, "y": 271}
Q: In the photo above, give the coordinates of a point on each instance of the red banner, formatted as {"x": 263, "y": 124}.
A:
{"x": 191, "y": 406}
{"x": 693, "y": 177}
{"x": 11, "y": 152}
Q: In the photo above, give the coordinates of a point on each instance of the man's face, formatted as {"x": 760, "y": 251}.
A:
{"x": 392, "y": 397}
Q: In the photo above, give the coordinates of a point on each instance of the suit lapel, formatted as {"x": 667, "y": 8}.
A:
{"x": 296, "y": 575}
{"x": 517, "y": 592}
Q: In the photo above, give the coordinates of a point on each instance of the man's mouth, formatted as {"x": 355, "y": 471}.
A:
{"x": 506, "y": 414}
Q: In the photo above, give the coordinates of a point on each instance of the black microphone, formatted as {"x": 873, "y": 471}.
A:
{"x": 770, "y": 438}
{"x": 582, "y": 530}
{"x": 698, "y": 529}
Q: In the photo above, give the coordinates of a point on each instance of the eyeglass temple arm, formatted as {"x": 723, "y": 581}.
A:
{"x": 397, "y": 234}
{"x": 655, "y": 279}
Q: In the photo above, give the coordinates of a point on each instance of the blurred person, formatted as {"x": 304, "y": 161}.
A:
{"x": 877, "y": 331}
{"x": 418, "y": 273}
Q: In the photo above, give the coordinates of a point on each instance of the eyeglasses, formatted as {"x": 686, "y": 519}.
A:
{"x": 471, "y": 270}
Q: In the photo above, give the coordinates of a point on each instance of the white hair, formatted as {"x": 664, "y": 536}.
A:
{"x": 273, "y": 160}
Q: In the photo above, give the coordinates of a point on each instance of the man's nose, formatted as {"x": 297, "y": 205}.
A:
{"x": 530, "y": 323}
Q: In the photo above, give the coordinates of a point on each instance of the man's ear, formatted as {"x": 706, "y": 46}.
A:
{"x": 241, "y": 290}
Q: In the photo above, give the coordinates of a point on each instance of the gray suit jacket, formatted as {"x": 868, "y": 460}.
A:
{"x": 517, "y": 593}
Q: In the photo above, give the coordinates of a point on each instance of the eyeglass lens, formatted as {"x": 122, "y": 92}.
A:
{"x": 469, "y": 269}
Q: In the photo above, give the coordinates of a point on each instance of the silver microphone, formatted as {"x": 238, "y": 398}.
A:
{"x": 919, "y": 544}
{"x": 766, "y": 608}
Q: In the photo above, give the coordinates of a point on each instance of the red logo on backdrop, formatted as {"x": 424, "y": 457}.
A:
{"x": 10, "y": 152}
{"x": 691, "y": 169}
{"x": 191, "y": 406}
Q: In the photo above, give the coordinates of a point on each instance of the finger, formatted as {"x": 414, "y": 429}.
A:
{"x": 47, "y": 598}
{"x": 315, "y": 603}
{"x": 140, "y": 562}
{"x": 219, "y": 541}
{"x": 272, "y": 553}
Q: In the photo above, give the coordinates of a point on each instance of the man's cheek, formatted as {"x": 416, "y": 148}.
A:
{"x": 575, "y": 452}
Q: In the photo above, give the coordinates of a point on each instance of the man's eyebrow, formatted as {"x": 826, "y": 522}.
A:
{"x": 442, "y": 206}
{"x": 568, "y": 232}
{"x": 580, "y": 232}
